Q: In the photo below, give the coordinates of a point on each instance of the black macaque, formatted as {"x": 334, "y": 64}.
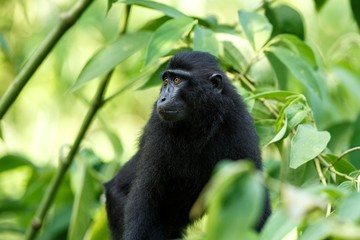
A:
{"x": 198, "y": 120}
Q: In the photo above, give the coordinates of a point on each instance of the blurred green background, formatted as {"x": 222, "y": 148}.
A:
{"x": 46, "y": 117}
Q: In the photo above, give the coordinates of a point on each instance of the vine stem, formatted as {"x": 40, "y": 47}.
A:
{"x": 67, "y": 20}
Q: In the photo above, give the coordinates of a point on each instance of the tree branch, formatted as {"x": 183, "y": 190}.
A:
{"x": 67, "y": 20}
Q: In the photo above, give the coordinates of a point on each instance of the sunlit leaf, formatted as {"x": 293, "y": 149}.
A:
{"x": 256, "y": 27}
{"x": 111, "y": 55}
{"x": 167, "y": 10}
{"x": 166, "y": 36}
{"x": 309, "y": 138}
{"x": 205, "y": 40}
{"x": 298, "y": 67}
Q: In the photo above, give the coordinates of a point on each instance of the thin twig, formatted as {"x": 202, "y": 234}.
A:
{"x": 333, "y": 170}
{"x": 319, "y": 171}
{"x": 347, "y": 152}
{"x": 68, "y": 19}
{"x": 323, "y": 181}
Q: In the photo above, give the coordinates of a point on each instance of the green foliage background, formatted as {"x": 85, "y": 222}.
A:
{"x": 296, "y": 64}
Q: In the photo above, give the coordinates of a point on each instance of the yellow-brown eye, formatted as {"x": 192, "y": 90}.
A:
{"x": 166, "y": 81}
{"x": 177, "y": 81}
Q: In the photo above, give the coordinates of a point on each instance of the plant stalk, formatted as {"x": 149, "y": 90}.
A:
{"x": 67, "y": 20}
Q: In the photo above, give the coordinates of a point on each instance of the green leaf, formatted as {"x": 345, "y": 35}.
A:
{"x": 299, "y": 47}
{"x": 278, "y": 226}
{"x": 4, "y": 46}
{"x": 109, "y": 4}
{"x": 256, "y": 27}
{"x": 307, "y": 143}
{"x": 155, "y": 23}
{"x": 347, "y": 186}
{"x": 205, "y": 40}
{"x": 279, "y": 69}
{"x": 319, "y": 4}
{"x": 340, "y": 133}
{"x": 57, "y": 225}
{"x": 295, "y": 114}
{"x": 317, "y": 231}
{"x": 167, "y": 10}
{"x": 285, "y": 19}
{"x": 355, "y": 6}
{"x": 166, "y": 36}
{"x": 111, "y": 55}
{"x": 355, "y": 141}
{"x": 99, "y": 229}
{"x": 348, "y": 209}
{"x": 234, "y": 57}
{"x": 12, "y": 161}
{"x": 342, "y": 165}
{"x": 211, "y": 22}
{"x": 83, "y": 202}
{"x": 298, "y": 67}
{"x": 281, "y": 133}
{"x": 277, "y": 95}
{"x": 236, "y": 202}
{"x": 331, "y": 228}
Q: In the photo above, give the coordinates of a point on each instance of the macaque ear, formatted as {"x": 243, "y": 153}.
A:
{"x": 217, "y": 81}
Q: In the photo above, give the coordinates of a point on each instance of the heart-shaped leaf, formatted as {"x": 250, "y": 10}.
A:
{"x": 307, "y": 143}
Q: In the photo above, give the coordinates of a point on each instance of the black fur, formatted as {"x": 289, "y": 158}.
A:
{"x": 151, "y": 196}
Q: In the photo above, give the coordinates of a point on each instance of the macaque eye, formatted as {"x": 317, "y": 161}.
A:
{"x": 166, "y": 81}
{"x": 177, "y": 81}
